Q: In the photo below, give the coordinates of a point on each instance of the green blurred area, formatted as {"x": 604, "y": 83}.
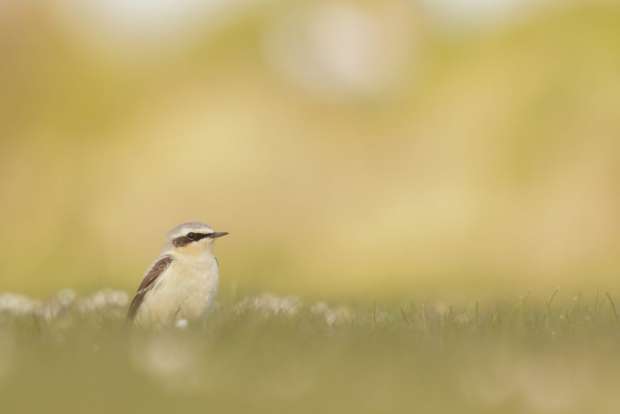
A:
{"x": 465, "y": 161}
{"x": 512, "y": 357}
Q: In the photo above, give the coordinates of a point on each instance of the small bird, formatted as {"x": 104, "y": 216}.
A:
{"x": 182, "y": 283}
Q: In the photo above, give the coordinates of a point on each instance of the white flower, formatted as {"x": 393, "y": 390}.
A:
{"x": 319, "y": 308}
{"x": 56, "y": 305}
{"x": 103, "y": 300}
{"x": 17, "y": 305}
{"x": 269, "y": 304}
{"x": 66, "y": 297}
{"x": 332, "y": 316}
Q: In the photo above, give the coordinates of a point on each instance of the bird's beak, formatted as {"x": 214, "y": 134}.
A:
{"x": 217, "y": 234}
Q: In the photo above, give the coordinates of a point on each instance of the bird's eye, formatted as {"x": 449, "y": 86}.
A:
{"x": 196, "y": 236}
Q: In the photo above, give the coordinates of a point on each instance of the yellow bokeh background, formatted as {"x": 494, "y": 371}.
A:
{"x": 360, "y": 149}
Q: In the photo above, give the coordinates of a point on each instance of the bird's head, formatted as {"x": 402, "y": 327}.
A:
{"x": 193, "y": 238}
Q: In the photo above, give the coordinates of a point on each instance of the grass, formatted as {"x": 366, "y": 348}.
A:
{"x": 270, "y": 354}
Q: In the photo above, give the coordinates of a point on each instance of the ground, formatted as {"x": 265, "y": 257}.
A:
{"x": 265, "y": 353}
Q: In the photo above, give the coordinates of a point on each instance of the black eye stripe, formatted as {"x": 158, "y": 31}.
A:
{"x": 197, "y": 236}
{"x": 181, "y": 241}
{"x": 189, "y": 238}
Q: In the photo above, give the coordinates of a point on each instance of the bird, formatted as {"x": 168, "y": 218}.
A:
{"x": 181, "y": 284}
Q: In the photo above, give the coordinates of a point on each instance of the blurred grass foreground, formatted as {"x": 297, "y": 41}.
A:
{"x": 268, "y": 354}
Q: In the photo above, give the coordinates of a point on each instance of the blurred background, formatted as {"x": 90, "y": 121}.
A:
{"x": 362, "y": 149}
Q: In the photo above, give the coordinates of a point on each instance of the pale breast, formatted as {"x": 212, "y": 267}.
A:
{"x": 186, "y": 290}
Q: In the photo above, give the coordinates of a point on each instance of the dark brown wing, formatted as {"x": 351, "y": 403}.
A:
{"x": 147, "y": 283}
